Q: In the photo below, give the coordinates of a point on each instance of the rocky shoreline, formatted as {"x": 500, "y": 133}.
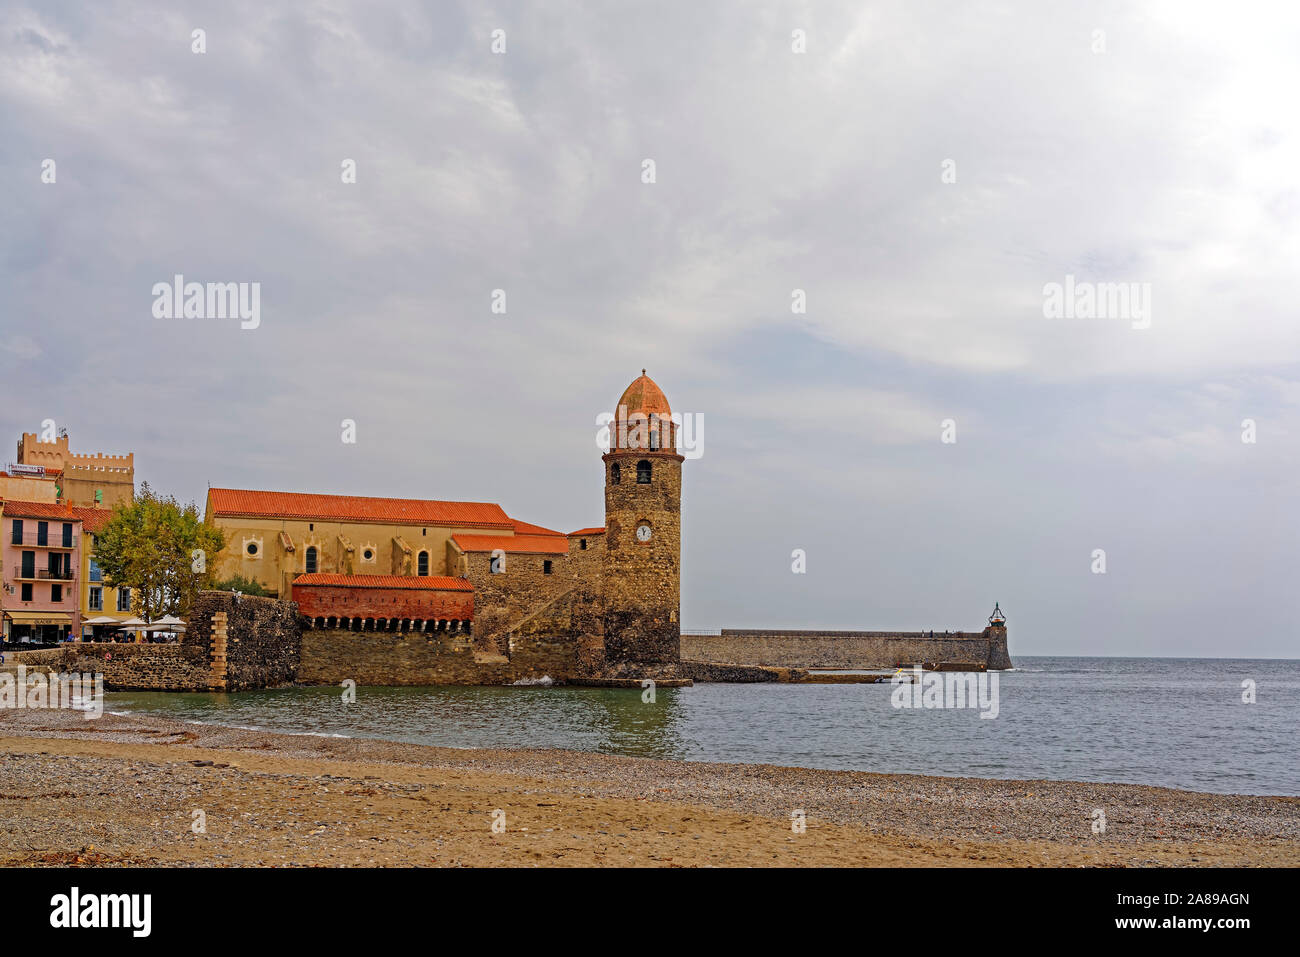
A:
{"x": 134, "y": 790}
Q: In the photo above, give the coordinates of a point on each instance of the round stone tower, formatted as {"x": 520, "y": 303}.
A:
{"x": 643, "y": 496}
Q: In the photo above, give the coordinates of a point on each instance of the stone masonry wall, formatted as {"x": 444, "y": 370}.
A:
{"x": 737, "y": 674}
{"x": 502, "y": 599}
{"x": 641, "y": 579}
{"x": 263, "y": 638}
{"x": 562, "y": 639}
{"x": 587, "y": 564}
{"x": 128, "y": 667}
{"x": 846, "y": 649}
{"x": 331, "y": 655}
{"x": 999, "y": 653}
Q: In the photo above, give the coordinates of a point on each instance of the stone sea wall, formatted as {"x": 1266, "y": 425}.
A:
{"x": 266, "y": 644}
{"x": 846, "y": 649}
{"x": 332, "y": 655}
{"x": 737, "y": 674}
{"x": 263, "y": 638}
{"x": 127, "y": 667}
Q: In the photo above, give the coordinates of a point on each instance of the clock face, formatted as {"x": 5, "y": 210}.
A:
{"x": 643, "y": 533}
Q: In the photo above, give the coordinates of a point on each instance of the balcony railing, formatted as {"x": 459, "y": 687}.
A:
{"x": 41, "y": 574}
{"x": 34, "y": 540}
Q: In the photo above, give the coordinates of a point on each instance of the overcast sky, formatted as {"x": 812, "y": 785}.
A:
{"x": 1162, "y": 150}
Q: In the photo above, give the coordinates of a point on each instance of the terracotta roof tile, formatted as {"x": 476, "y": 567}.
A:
{"x": 435, "y": 582}
{"x": 356, "y": 508}
{"x": 643, "y": 396}
{"x": 93, "y": 520}
{"x": 520, "y": 544}
{"x": 587, "y": 531}
{"x": 17, "y": 509}
{"x": 528, "y": 528}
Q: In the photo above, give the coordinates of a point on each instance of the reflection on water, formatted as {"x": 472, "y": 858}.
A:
{"x": 612, "y": 720}
{"x": 1171, "y": 722}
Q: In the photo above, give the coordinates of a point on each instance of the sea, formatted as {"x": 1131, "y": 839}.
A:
{"x": 1224, "y": 725}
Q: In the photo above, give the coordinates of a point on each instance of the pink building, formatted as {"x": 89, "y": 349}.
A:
{"x": 40, "y": 551}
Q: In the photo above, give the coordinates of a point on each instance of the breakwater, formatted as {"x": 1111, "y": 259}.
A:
{"x": 849, "y": 650}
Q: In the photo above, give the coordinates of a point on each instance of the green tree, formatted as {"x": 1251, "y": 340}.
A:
{"x": 159, "y": 549}
{"x": 239, "y": 583}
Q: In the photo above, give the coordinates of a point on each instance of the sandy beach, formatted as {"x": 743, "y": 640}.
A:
{"x": 132, "y": 791}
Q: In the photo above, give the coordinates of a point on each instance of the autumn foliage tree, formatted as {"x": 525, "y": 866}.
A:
{"x": 159, "y": 549}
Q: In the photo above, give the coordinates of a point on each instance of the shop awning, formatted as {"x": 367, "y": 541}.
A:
{"x": 39, "y": 617}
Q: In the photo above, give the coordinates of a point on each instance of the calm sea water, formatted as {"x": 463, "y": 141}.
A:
{"x": 1172, "y": 722}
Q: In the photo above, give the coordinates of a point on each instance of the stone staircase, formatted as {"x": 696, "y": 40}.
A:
{"x": 534, "y": 614}
{"x": 511, "y": 629}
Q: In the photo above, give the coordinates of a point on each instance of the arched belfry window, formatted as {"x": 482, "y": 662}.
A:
{"x": 615, "y": 474}
{"x": 422, "y": 564}
{"x": 309, "y": 561}
{"x": 643, "y": 472}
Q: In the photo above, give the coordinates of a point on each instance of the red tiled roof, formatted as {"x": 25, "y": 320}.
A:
{"x": 536, "y": 544}
{"x": 356, "y": 508}
{"x": 643, "y": 396}
{"x": 435, "y": 582}
{"x": 528, "y": 528}
{"x": 587, "y": 531}
{"x": 93, "y": 520}
{"x": 17, "y": 509}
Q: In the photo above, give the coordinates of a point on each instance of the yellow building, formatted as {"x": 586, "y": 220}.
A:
{"x": 272, "y": 537}
{"x": 99, "y": 601}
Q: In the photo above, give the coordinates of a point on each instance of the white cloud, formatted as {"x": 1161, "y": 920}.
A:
{"x": 1170, "y": 160}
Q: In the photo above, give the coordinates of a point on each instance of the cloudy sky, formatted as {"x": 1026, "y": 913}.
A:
{"x": 921, "y": 171}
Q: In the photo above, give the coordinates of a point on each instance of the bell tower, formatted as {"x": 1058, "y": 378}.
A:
{"x": 643, "y": 496}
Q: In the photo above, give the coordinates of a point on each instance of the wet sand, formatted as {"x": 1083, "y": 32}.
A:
{"x": 125, "y": 791}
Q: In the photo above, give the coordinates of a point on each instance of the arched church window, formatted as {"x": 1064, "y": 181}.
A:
{"x": 422, "y": 564}
{"x": 643, "y": 472}
{"x": 615, "y": 474}
{"x": 310, "y": 560}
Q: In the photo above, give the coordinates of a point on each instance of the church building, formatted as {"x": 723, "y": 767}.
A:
{"x": 429, "y": 566}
